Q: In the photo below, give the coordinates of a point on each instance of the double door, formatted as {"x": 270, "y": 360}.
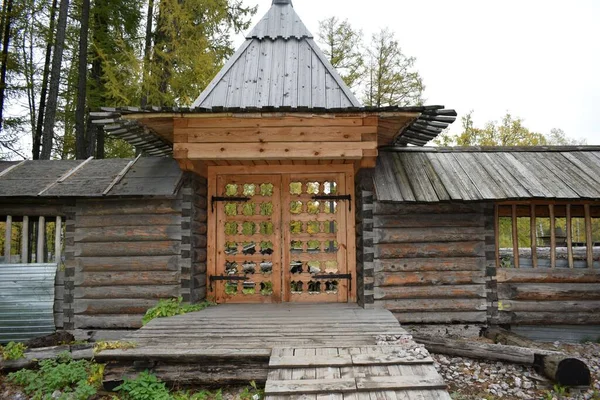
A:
{"x": 281, "y": 238}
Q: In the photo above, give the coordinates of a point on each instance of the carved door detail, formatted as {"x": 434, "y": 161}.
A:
{"x": 281, "y": 238}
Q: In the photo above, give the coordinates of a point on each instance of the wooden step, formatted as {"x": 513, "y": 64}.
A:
{"x": 310, "y": 386}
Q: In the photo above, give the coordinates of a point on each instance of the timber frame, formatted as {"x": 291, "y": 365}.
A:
{"x": 347, "y": 169}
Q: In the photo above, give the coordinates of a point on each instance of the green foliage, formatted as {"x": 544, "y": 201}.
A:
{"x": 145, "y": 387}
{"x": 78, "y": 380}
{"x": 509, "y": 132}
{"x": 201, "y": 395}
{"x": 343, "y": 46}
{"x": 13, "y": 351}
{"x": 171, "y": 307}
{"x": 252, "y": 392}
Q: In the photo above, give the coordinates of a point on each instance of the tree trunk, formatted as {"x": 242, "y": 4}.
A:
{"x": 50, "y": 117}
{"x": 80, "y": 117}
{"x": 37, "y": 137}
{"x": 147, "y": 49}
{"x": 6, "y": 17}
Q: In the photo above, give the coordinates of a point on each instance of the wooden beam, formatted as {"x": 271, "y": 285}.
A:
{"x": 25, "y": 240}
{"x": 569, "y": 237}
{"x": 260, "y": 121}
{"x": 515, "y": 236}
{"x": 497, "y": 235}
{"x": 273, "y": 151}
{"x": 39, "y": 255}
{"x": 589, "y": 244}
{"x": 7, "y": 238}
{"x": 120, "y": 175}
{"x": 57, "y": 239}
{"x": 532, "y": 228}
{"x": 552, "y": 236}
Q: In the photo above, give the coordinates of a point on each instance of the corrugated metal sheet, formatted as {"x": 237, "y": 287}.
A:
{"x": 435, "y": 175}
{"x": 279, "y": 65}
{"x": 149, "y": 176}
{"x": 26, "y": 301}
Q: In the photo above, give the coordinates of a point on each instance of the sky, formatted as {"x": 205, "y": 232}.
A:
{"x": 538, "y": 60}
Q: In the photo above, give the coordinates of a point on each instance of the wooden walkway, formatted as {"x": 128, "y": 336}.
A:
{"x": 293, "y": 345}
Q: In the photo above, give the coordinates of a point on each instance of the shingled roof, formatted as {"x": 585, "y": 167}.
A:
{"x": 433, "y": 174}
{"x": 151, "y": 176}
{"x": 279, "y": 65}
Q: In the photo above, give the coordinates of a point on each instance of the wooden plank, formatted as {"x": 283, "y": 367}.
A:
{"x": 378, "y": 358}
{"x": 588, "y": 236}
{"x": 276, "y": 134}
{"x": 428, "y": 221}
{"x": 127, "y": 278}
{"x": 128, "y": 233}
{"x": 25, "y": 240}
{"x": 309, "y": 361}
{"x": 312, "y": 120}
{"x": 310, "y": 386}
{"x": 433, "y": 234}
{"x": 406, "y": 382}
{"x": 429, "y": 278}
{"x": 7, "y": 239}
{"x": 133, "y": 291}
{"x": 515, "y": 236}
{"x": 533, "y": 235}
{"x": 441, "y": 317}
{"x": 136, "y": 263}
{"x": 139, "y": 248}
{"x": 497, "y": 236}
{"x": 434, "y": 292}
{"x": 291, "y": 151}
{"x": 57, "y": 240}
{"x": 41, "y": 232}
{"x": 423, "y": 250}
{"x": 569, "y": 228}
{"x": 109, "y": 207}
{"x": 552, "y": 236}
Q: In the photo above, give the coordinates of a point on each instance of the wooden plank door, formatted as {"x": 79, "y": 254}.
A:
{"x": 314, "y": 238}
{"x": 248, "y": 239}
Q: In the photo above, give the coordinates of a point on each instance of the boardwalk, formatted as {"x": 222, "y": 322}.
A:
{"x": 296, "y": 349}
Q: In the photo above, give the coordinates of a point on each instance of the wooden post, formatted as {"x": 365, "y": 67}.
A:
{"x": 534, "y": 260}
{"x": 589, "y": 244}
{"x": 39, "y": 255}
{"x": 569, "y": 238}
{"x": 25, "y": 241}
{"x": 7, "y": 239}
{"x": 552, "y": 236}
{"x": 515, "y": 236}
{"x": 497, "y": 234}
{"x": 57, "y": 239}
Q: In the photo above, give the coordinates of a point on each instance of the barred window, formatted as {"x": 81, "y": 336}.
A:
{"x": 31, "y": 239}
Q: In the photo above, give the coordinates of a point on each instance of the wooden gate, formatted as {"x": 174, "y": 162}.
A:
{"x": 281, "y": 237}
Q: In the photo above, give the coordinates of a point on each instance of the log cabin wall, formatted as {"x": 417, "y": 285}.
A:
{"x": 199, "y": 229}
{"x": 364, "y": 238}
{"x": 430, "y": 261}
{"x": 122, "y": 256}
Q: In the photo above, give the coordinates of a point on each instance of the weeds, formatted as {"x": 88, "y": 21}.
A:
{"x": 172, "y": 307}
{"x": 13, "y": 351}
{"x": 102, "y": 345}
{"x": 145, "y": 387}
{"x": 77, "y": 380}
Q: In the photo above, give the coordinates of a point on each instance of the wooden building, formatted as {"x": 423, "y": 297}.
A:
{"x": 289, "y": 190}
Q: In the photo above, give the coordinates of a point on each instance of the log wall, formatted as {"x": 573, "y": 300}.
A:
{"x": 199, "y": 230}
{"x": 122, "y": 256}
{"x": 430, "y": 261}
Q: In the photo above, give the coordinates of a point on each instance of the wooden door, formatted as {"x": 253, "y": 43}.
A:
{"x": 281, "y": 238}
{"x": 315, "y": 267}
{"x": 248, "y": 235}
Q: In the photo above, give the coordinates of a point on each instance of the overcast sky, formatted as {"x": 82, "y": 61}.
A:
{"x": 539, "y": 60}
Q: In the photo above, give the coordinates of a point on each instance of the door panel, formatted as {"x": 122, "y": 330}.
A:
{"x": 275, "y": 242}
{"x": 248, "y": 232}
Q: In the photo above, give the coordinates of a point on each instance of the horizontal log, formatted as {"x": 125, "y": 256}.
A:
{"x": 274, "y": 134}
{"x": 33, "y": 209}
{"x": 380, "y": 208}
{"x": 31, "y": 358}
{"x": 113, "y": 249}
{"x": 428, "y": 221}
{"x": 470, "y": 349}
{"x": 112, "y": 306}
{"x": 548, "y": 291}
{"x": 272, "y": 151}
{"x": 128, "y": 233}
{"x": 537, "y": 275}
{"x": 428, "y": 278}
{"x": 128, "y": 220}
{"x": 549, "y": 306}
{"x": 430, "y": 292}
{"x": 548, "y": 318}
{"x": 127, "y": 278}
{"x": 430, "y": 264}
{"x": 250, "y": 122}
{"x": 434, "y": 234}
{"x": 108, "y": 321}
{"x": 432, "y": 305}
{"x": 133, "y": 291}
{"x": 441, "y": 317}
{"x": 422, "y": 250}
{"x": 127, "y": 207}
{"x": 135, "y": 263}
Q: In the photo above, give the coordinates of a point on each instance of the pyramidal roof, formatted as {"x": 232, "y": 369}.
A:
{"x": 279, "y": 65}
